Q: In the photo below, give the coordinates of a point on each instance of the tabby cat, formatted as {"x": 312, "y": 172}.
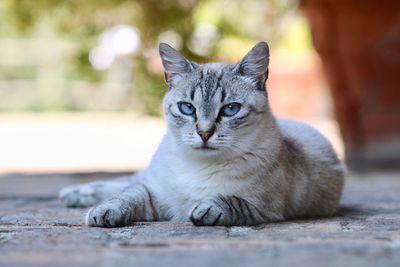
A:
{"x": 225, "y": 159}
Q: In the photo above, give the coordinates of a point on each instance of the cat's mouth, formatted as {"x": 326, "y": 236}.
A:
{"x": 205, "y": 147}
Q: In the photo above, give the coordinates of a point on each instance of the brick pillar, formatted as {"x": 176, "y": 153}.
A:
{"x": 359, "y": 43}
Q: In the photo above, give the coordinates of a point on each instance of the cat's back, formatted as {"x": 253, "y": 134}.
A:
{"x": 311, "y": 141}
{"x": 322, "y": 175}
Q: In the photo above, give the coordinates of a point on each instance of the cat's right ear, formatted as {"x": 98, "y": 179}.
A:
{"x": 174, "y": 63}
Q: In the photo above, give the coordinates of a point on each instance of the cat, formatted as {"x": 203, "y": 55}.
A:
{"x": 225, "y": 159}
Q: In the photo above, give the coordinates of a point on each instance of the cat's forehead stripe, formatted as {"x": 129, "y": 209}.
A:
{"x": 211, "y": 83}
{"x": 193, "y": 90}
{"x": 223, "y": 95}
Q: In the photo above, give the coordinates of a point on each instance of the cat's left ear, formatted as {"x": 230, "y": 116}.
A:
{"x": 174, "y": 63}
{"x": 255, "y": 63}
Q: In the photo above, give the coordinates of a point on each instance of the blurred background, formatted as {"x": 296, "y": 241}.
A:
{"x": 81, "y": 82}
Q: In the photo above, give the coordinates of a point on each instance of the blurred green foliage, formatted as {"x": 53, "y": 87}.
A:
{"x": 238, "y": 24}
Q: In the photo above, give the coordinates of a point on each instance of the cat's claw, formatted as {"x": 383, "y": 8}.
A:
{"x": 79, "y": 196}
{"x": 111, "y": 213}
{"x": 207, "y": 214}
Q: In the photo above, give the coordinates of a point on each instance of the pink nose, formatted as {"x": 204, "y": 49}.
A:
{"x": 205, "y": 135}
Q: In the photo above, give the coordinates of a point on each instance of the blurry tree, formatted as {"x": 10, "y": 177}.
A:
{"x": 207, "y": 30}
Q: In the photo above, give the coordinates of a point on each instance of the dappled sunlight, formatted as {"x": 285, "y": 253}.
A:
{"x": 102, "y": 64}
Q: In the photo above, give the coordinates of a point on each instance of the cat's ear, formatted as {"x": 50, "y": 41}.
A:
{"x": 174, "y": 63}
{"x": 255, "y": 63}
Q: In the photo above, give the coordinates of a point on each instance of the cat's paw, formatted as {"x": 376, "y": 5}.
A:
{"x": 207, "y": 213}
{"x": 79, "y": 196}
{"x": 111, "y": 213}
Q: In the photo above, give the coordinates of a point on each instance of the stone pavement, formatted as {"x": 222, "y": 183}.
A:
{"x": 36, "y": 230}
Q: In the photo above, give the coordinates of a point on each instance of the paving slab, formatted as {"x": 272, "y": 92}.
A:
{"x": 37, "y": 230}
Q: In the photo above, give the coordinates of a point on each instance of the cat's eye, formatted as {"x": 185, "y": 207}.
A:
{"x": 230, "y": 110}
{"x": 186, "y": 108}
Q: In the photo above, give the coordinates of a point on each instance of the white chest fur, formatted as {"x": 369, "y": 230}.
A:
{"x": 180, "y": 183}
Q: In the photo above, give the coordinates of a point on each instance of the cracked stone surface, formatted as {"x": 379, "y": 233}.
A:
{"x": 36, "y": 230}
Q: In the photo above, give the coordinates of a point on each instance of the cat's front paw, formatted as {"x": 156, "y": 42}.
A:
{"x": 111, "y": 213}
{"x": 207, "y": 213}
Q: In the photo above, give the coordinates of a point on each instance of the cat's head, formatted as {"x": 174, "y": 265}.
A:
{"x": 216, "y": 108}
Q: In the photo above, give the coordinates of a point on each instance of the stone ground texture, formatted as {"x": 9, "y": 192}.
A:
{"x": 37, "y": 230}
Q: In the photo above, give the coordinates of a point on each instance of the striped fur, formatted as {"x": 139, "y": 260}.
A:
{"x": 252, "y": 168}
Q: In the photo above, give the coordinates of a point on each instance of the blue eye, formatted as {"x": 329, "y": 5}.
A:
{"x": 186, "y": 108}
{"x": 230, "y": 109}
